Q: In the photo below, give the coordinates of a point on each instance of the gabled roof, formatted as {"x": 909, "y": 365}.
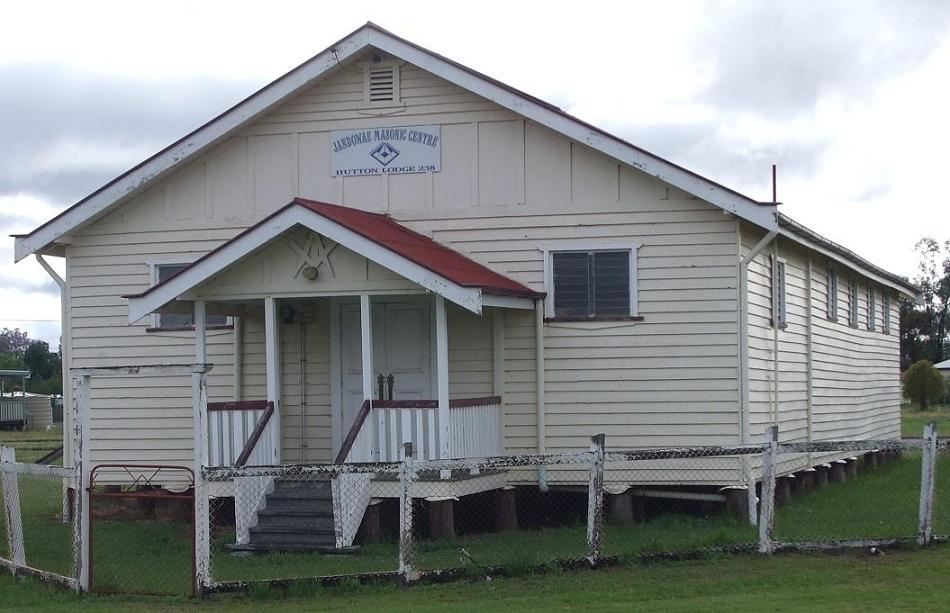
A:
{"x": 945, "y": 365}
{"x": 375, "y": 236}
{"x": 101, "y": 201}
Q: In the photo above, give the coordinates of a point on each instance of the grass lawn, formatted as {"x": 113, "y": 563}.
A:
{"x": 32, "y": 445}
{"x": 913, "y": 420}
{"x": 906, "y": 580}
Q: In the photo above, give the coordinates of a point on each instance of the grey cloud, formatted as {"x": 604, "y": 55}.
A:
{"x": 780, "y": 58}
{"x": 44, "y": 105}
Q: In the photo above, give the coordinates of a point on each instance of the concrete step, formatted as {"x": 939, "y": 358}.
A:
{"x": 292, "y": 540}
{"x": 295, "y": 522}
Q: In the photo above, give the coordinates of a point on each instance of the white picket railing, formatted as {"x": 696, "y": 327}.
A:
{"x": 474, "y": 430}
{"x": 13, "y": 410}
{"x": 230, "y": 426}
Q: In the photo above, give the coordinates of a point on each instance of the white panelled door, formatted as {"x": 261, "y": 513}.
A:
{"x": 402, "y": 346}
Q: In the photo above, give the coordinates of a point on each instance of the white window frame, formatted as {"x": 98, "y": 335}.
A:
{"x": 153, "y": 266}
{"x": 853, "y": 307}
{"x": 548, "y": 252}
{"x": 779, "y": 289}
{"x": 886, "y": 313}
{"x": 832, "y": 297}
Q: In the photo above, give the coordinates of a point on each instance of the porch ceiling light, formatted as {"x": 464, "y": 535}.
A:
{"x": 309, "y": 272}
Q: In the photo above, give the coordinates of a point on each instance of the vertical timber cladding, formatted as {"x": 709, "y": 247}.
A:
{"x": 379, "y": 151}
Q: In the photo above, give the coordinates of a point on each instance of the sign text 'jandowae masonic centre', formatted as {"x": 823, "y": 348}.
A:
{"x": 379, "y": 151}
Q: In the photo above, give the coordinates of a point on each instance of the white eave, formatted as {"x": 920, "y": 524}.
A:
{"x": 100, "y": 202}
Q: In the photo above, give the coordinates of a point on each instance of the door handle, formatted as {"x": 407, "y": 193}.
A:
{"x": 390, "y": 382}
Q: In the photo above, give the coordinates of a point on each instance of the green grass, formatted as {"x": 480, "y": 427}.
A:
{"x": 913, "y": 420}
{"x": 32, "y": 445}
{"x": 908, "y": 580}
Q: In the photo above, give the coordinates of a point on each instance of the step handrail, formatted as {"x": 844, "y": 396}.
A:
{"x": 255, "y": 434}
{"x": 353, "y": 433}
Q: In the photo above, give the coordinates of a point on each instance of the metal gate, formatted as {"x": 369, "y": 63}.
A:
{"x": 141, "y": 529}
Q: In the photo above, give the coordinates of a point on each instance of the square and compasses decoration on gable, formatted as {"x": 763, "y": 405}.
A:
{"x": 312, "y": 254}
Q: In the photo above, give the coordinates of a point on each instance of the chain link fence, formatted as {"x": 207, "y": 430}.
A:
{"x": 38, "y": 519}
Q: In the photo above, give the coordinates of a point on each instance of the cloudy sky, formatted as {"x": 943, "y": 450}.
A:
{"x": 850, "y": 99}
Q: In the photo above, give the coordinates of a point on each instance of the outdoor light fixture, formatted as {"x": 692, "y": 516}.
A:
{"x": 309, "y": 272}
{"x": 287, "y": 314}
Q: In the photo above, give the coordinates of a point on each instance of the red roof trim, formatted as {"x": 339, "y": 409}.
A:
{"x": 385, "y": 231}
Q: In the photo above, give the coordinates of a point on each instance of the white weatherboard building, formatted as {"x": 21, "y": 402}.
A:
{"x": 519, "y": 279}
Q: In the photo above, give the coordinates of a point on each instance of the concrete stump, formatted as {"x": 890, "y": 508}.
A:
{"x": 737, "y": 503}
{"x": 837, "y": 474}
{"x": 372, "y": 526}
{"x": 506, "y": 510}
{"x": 807, "y": 479}
{"x": 620, "y": 507}
{"x": 441, "y": 518}
{"x": 783, "y": 490}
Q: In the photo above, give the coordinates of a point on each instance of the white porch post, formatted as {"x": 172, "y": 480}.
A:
{"x": 200, "y": 424}
{"x": 272, "y": 358}
{"x": 366, "y": 353}
{"x": 442, "y": 364}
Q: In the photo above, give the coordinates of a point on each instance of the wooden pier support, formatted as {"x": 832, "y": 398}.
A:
{"x": 821, "y": 475}
{"x": 737, "y": 503}
{"x": 806, "y": 479}
{"x": 620, "y": 507}
{"x": 441, "y": 518}
{"x": 837, "y": 474}
{"x": 639, "y": 504}
{"x": 783, "y": 490}
{"x": 851, "y": 468}
{"x": 372, "y": 526}
{"x": 506, "y": 510}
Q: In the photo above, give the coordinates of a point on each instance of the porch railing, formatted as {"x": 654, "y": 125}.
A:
{"x": 381, "y": 428}
{"x": 13, "y": 410}
{"x": 236, "y": 433}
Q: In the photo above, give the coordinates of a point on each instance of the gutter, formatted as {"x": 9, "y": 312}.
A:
{"x": 744, "y": 334}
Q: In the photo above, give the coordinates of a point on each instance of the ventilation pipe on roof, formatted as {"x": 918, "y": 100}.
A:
{"x": 746, "y": 424}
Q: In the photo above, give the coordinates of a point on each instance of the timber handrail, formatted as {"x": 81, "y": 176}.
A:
{"x": 354, "y": 432}
{"x": 458, "y": 403}
{"x": 239, "y": 405}
{"x": 258, "y": 429}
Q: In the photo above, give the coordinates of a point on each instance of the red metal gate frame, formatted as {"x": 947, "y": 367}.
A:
{"x": 139, "y": 488}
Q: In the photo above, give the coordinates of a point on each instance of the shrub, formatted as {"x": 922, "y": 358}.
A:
{"x": 923, "y": 383}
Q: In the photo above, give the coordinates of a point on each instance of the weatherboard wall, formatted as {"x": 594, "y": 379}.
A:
{"x": 508, "y": 189}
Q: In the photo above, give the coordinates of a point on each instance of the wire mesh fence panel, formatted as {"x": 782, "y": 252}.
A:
{"x": 290, "y": 523}
{"x": 141, "y": 530}
{"x": 48, "y": 537}
{"x": 671, "y": 504}
{"x": 941, "y": 509}
{"x": 481, "y": 518}
{"x": 848, "y": 494}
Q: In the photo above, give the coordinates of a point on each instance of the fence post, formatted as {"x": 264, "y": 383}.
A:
{"x": 595, "y": 499}
{"x": 202, "y": 527}
{"x": 767, "y": 503}
{"x": 81, "y": 464}
{"x": 405, "y": 515}
{"x": 927, "y": 469}
{"x": 11, "y": 504}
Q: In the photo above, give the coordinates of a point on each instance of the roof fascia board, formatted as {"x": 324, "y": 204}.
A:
{"x": 196, "y": 143}
{"x": 507, "y": 302}
{"x": 831, "y": 255}
{"x": 759, "y": 214}
{"x": 245, "y": 244}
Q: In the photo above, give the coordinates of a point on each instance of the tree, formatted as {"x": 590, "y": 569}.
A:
{"x": 925, "y": 325}
{"x": 923, "y": 382}
{"x": 13, "y": 343}
{"x": 39, "y": 359}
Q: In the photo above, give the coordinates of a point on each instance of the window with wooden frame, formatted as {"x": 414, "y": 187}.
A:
{"x": 779, "y": 298}
{"x": 832, "y": 294}
{"x": 852, "y": 302}
{"x": 179, "y": 321}
{"x": 591, "y": 284}
{"x": 872, "y": 307}
{"x": 886, "y": 314}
